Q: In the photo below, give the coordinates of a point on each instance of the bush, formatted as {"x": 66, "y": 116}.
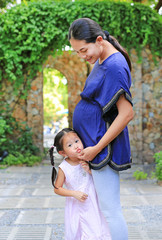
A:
{"x": 17, "y": 140}
{"x": 158, "y": 167}
{"x": 139, "y": 175}
{"x": 20, "y": 159}
{"x": 7, "y": 127}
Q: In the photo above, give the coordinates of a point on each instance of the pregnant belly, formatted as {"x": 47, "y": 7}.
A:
{"x": 88, "y": 122}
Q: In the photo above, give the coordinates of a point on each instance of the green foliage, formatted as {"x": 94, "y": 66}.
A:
{"x": 17, "y": 140}
{"x": 8, "y": 125}
{"x": 31, "y": 31}
{"x": 4, "y": 128}
{"x": 140, "y": 175}
{"x": 3, "y": 3}
{"x": 20, "y": 159}
{"x": 25, "y": 142}
{"x": 15, "y": 137}
{"x": 158, "y": 167}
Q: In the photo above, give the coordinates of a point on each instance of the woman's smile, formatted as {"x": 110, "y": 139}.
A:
{"x": 88, "y": 59}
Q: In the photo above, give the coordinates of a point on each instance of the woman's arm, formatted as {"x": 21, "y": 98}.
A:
{"x": 125, "y": 115}
{"x": 66, "y": 192}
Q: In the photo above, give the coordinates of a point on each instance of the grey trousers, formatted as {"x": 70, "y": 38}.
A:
{"x": 107, "y": 184}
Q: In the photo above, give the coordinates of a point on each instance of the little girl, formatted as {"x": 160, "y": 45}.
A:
{"x": 83, "y": 218}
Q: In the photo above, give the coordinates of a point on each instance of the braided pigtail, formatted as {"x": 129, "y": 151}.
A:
{"x": 54, "y": 172}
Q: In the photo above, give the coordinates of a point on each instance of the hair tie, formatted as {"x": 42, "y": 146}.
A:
{"x": 107, "y": 34}
{"x": 52, "y": 146}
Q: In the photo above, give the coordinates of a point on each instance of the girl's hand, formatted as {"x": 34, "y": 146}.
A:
{"x": 85, "y": 166}
{"x": 88, "y": 154}
{"x": 80, "y": 196}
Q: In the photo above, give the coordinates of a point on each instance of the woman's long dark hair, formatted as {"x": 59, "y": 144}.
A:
{"x": 88, "y": 30}
{"x": 58, "y": 143}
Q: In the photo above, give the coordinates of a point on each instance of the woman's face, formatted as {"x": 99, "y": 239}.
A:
{"x": 91, "y": 52}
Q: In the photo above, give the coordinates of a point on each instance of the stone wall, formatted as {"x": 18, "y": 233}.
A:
{"x": 152, "y": 106}
{"x": 144, "y": 130}
{"x": 34, "y": 110}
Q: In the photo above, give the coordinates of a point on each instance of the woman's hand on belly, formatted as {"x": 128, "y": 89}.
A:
{"x": 89, "y": 153}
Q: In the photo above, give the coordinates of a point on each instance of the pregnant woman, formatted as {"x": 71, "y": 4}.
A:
{"x": 102, "y": 115}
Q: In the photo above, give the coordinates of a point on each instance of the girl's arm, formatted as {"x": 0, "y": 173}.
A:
{"x": 66, "y": 192}
{"x": 125, "y": 115}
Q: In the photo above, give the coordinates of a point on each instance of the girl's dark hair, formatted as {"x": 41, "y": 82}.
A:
{"x": 88, "y": 30}
{"x": 58, "y": 143}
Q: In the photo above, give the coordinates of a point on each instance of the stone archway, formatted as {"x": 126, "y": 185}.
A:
{"x": 75, "y": 70}
{"x": 145, "y": 135}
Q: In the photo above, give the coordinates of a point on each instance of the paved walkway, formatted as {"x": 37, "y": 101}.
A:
{"x": 30, "y": 210}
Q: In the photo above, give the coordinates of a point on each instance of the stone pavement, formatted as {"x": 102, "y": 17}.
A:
{"x": 29, "y": 209}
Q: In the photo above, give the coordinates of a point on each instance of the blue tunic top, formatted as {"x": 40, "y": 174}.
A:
{"x": 97, "y": 109}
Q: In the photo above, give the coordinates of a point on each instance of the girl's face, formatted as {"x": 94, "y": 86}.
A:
{"x": 72, "y": 146}
{"x": 91, "y": 52}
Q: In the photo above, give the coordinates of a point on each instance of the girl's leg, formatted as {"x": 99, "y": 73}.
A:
{"x": 107, "y": 184}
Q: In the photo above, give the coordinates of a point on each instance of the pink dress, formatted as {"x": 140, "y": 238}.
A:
{"x": 83, "y": 220}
